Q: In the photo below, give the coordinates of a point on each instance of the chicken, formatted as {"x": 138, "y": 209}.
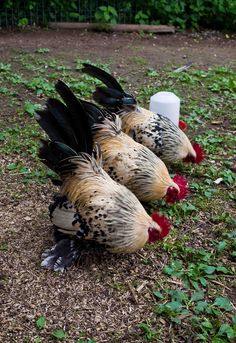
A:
{"x": 155, "y": 131}
{"x": 94, "y": 207}
{"x": 125, "y": 160}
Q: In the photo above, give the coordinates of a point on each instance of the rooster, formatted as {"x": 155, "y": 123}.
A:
{"x": 155, "y": 131}
{"x": 94, "y": 207}
{"x": 125, "y": 160}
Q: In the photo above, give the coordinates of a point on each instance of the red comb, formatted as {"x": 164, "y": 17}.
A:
{"x": 163, "y": 222}
{"x": 172, "y": 194}
{"x": 182, "y": 125}
{"x": 183, "y": 186}
{"x": 199, "y": 151}
{"x": 200, "y": 155}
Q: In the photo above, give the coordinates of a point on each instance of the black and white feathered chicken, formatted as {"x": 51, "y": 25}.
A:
{"x": 93, "y": 207}
{"x": 153, "y": 130}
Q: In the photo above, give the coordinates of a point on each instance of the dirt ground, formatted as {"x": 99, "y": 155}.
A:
{"x": 96, "y": 296}
{"x": 204, "y": 49}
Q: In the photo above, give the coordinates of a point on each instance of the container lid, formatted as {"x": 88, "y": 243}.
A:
{"x": 165, "y": 97}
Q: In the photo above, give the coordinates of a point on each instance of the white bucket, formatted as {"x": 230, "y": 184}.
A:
{"x": 166, "y": 104}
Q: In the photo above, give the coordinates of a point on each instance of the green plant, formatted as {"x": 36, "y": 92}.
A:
{"x": 5, "y": 67}
{"x": 42, "y": 50}
{"x": 23, "y": 22}
{"x": 3, "y": 246}
{"x": 139, "y": 60}
{"x": 59, "y": 334}
{"x": 30, "y": 107}
{"x": 106, "y": 14}
{"x": 4, "y": 90}
{"x": 141, "y": 18}
{"x": 40, "y": 85}
{"x": 41, "y": 322}
{"x": 149, "y": 333}
{"x": 178, "y": 306}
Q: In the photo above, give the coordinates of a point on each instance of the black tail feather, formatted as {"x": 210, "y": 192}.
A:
{"x": 50, "y": 125}
{"x": 68, "y": 127}
{"x": 78, "y": 118}
{"x": 59, "y": 125}
{"x": 113, "y": 96}
{"x": 47, "y": 156}
{"x": 103, "y": 76}
{"x": 52, "y": 153}
{"x": 94, "y": 114}
{"x": 62, "y": 115}
{"x": 55, "y": 182}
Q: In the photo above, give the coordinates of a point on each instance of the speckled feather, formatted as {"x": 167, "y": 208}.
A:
{"x": 154, "y": 131}
{"x": 102, "y": 210}
{"x": 157, "y": 133}
{"x": 146, "y": 175}
{"x": 128, "y": 162}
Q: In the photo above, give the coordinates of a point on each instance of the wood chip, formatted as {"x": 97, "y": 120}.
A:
{"x": 27, "y": 218}
{"x": 217, "y": 122}
{"x": 139, "y": 288}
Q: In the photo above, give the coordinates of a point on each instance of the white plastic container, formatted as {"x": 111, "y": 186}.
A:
{"x": 166, "y": 104}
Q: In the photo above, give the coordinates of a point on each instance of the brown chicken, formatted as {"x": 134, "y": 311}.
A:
{"x": 155, "y": 131}
{"x": 125, "y": 160}
{"x": 94, "y": 207}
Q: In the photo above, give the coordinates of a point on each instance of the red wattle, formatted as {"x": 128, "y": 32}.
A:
{"x": 200, "y": 155}
{"x": 172, "y": 194}
{"x": 182, "y": 182}
{"x": 163, "y": 222}
{"x": 182, "y": 125}
{"x": 199, "y": 151}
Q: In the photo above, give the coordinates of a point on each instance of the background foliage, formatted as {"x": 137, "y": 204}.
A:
{"x": 216, "y": 14}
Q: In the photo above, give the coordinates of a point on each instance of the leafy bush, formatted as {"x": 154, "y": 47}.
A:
{"x": 106, "y": 14}
{"x": 215, "y": 14}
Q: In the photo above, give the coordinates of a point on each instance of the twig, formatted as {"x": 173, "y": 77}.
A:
{"x": 175, "y": 282}
{"x": 23, "y": 173}
{"x": 138, "y": 290}
{"x": 221, "y": 284}
{"x": 183, "y": 316}
{"x": 138, "y": 253}
{"x": 132, "y": 292}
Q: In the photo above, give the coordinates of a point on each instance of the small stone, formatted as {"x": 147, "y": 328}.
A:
{"x": 27, "y": 218}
